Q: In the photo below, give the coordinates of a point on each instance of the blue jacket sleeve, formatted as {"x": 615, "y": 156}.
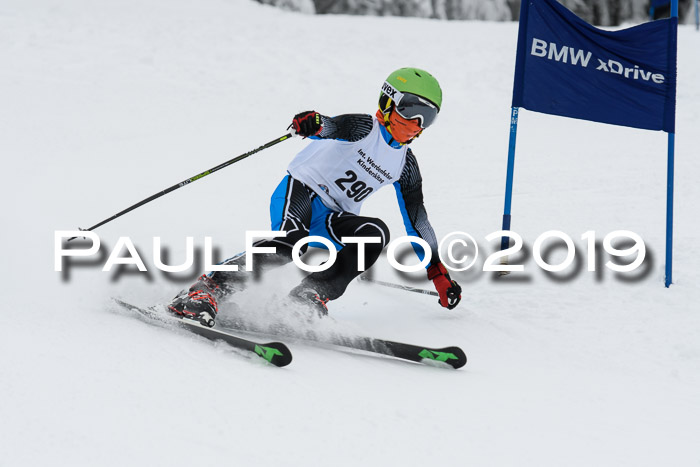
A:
{"x": 409, "y": 193}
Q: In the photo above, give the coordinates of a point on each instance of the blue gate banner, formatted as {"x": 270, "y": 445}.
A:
{"x": 565, "y": 66}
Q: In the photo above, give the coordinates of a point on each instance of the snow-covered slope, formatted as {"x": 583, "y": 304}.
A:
{"x": 105, "y": 103}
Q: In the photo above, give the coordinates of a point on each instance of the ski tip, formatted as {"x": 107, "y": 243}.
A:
{"x": 461, "y": 358}
{"x": 452, "y": 356}
{"x": 276, "y": 353}
{"x": 121, "y": 302}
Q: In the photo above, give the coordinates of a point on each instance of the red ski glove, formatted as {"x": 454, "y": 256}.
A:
{"x": 307, "y": 123}
{"x": 449, "y": 290}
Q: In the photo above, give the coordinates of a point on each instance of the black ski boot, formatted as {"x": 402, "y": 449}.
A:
{"x": 199, "y": 302}
{"x": 304, "y": 295}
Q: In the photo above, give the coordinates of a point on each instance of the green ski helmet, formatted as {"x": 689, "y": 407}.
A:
{"x": 413, "y": 93}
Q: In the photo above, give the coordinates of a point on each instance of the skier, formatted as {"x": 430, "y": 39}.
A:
{"x": 349, "y": 158}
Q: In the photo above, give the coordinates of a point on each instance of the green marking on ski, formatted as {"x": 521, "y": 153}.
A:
{"x": 197, "y": 177}
{"x": 437, "y": 356}
{"x": 268, "y": 353}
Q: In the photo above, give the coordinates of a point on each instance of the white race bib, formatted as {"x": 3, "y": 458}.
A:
{"x": 345, "y": 173}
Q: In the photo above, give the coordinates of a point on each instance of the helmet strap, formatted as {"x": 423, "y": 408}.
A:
{"x": 385, "y": 107}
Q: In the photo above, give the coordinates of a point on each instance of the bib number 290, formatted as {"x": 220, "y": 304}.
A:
{"x": 358, "y": 189}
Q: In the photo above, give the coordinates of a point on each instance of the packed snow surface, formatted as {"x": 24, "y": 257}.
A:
{"x": 105, "y": 103}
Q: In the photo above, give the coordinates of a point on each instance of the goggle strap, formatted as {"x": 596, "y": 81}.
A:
{"x": 393, "y": 93}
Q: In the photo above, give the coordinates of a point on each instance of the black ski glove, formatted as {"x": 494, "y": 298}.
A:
{"x": 307, "y": 123}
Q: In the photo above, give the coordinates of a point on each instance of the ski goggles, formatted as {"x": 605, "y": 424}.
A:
{"x": 411, "y": 106}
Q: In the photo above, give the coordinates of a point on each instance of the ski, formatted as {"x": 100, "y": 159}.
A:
{"x": 275, "y": 353}
{"x": 452, "y": 356}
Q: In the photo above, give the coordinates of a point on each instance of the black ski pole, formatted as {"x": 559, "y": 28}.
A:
{"x": 188, "y": 181}
{"x": 407, "y": 288}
